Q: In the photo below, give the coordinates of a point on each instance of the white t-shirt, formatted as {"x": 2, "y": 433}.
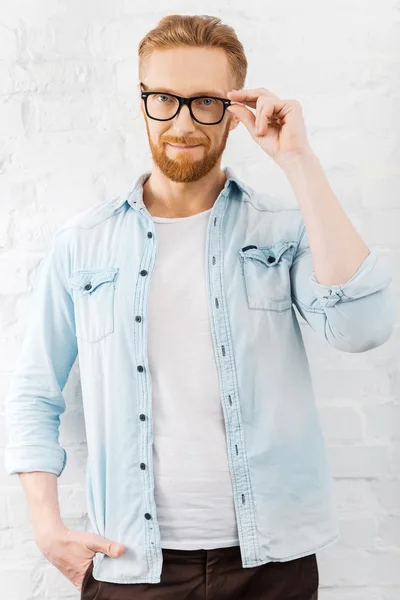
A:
{"x": 193, "y": 488}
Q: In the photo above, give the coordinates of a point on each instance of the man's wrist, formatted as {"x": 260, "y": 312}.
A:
{"x": 46, "y": 534}
{"x": 294, "y": 159}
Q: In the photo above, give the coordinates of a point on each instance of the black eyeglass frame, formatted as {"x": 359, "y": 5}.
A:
{"x": 187, "y": 102}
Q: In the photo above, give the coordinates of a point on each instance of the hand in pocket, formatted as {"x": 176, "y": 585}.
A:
{"x": 72, "y": 552}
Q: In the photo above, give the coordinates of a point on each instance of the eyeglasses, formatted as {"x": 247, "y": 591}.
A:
{"x": 206, "y": 110}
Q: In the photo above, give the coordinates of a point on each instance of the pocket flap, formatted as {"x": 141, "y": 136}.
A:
{"x": 269, "y": 255}
{"x": 87, "y": 281}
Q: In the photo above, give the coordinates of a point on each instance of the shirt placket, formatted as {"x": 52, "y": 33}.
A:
{"x": 225, "y": 359}
{"x": 152, "y": 530}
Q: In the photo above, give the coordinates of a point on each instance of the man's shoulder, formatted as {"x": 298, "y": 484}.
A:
{"x": 282, "y": 214}
{"x": 266, "y": 201}
{"x": 91, "y": 217}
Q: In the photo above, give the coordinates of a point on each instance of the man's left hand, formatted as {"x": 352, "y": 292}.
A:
{"x": 278, "y": 125}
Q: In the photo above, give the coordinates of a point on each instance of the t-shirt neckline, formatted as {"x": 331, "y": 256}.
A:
{"x": 181, "y": 219}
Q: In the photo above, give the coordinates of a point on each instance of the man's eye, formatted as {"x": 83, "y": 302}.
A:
{"x": 207, "y": 101}
{"x": 167, "y": 98}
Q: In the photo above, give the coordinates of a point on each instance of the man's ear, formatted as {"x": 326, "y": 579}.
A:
{"x": 234, "y": 122}
{"x": 139, "y": 98}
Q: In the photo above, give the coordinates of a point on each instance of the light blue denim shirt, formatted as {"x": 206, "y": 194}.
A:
{"x": 91, "y": 298}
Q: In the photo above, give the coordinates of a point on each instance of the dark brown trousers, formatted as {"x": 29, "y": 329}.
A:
{"x": 214, "y": 575}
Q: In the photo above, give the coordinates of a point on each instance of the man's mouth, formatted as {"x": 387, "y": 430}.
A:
{"x": 184, "y": 146}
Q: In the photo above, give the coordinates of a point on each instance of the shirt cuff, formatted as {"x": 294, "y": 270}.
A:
{"x": 26, "y": 459}
{"x": 371, "y": 276}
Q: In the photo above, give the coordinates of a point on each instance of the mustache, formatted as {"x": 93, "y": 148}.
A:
{"x": 183, "y": 141}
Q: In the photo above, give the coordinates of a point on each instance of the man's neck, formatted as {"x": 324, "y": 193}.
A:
{"x": 165, "y": 198}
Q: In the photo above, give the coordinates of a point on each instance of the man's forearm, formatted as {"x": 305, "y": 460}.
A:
{"x": 41, "y": 492}
{"x": 337, "y": 249}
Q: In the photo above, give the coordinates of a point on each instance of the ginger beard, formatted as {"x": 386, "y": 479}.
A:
{"x": 186, "y": 166}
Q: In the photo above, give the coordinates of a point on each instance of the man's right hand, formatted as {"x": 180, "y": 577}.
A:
{"x": 71, "y": 552}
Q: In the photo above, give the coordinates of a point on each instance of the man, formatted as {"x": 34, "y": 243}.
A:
{"x": 207, "y": 470}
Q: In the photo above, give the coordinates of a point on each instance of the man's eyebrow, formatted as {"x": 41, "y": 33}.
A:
{"x": 169, "y": 91}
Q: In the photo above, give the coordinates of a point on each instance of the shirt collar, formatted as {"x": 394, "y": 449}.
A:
{"x": 135, "y": 195}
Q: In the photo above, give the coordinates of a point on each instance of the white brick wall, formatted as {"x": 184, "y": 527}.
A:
{"x": 71, "y": 135}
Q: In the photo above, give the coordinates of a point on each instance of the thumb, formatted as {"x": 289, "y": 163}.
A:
{"x": 97, "y": 543}
{"x": 247, "y": 117}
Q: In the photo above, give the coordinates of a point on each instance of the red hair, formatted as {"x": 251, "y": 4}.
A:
{"x": 174, "y": 31}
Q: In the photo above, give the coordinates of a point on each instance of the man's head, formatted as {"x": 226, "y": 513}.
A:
{"x": 190, "y": 56}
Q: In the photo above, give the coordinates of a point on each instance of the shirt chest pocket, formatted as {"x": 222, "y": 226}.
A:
{"x": 93, "y": 292}
{"x": 266, "y": 275}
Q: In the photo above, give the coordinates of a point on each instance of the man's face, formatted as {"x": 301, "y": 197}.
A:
{"x": 188, "y": 72}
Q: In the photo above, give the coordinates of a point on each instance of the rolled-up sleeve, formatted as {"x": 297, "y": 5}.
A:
{"x": 354, "y": 316}
{"x": 35, "y": 400}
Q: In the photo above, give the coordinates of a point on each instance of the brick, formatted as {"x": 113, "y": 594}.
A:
{"x": 360, "y": 461}
{"x": 382, "y": 423}
{"x": 342, "y": 424}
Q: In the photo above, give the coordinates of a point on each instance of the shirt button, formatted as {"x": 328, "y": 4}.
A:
{"x": 142, "y": 417}
{"x": 142, "y": 466}
{"x": 144, "y": 272}
{"x": 147, "y": 516}
{"x": 138, "y": 319}
{"x": 149, "y": 234}
{"x": 140, "y": 369}
{"x": 271, "y": 259}
{"x": 88, "y": 286}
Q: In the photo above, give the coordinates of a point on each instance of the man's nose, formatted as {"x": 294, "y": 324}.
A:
{"x": 183, "y": 122}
